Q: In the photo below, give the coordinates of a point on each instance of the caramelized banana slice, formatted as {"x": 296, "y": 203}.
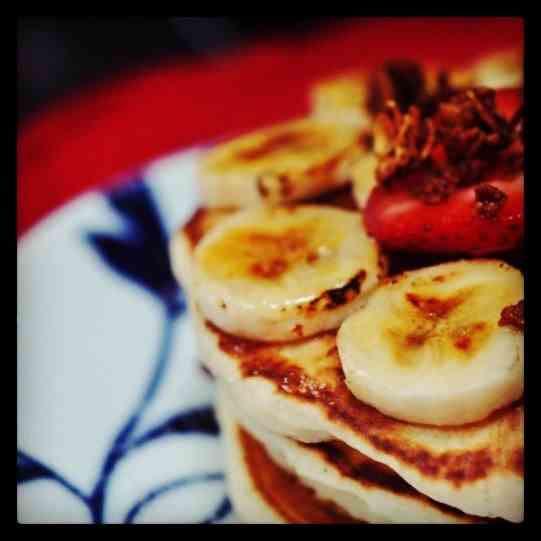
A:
{"x": 500, "y": 70}
{"x": 283, "y": 273}
{"x": 428, "y": 347}
{"x": 283, "y": 163}
{"x": 342, "y": 99}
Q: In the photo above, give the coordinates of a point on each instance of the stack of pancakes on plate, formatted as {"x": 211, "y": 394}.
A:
{"x": 273, "y": 262}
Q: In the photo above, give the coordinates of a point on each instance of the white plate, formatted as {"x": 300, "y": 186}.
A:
{"x": 114, "y": 413}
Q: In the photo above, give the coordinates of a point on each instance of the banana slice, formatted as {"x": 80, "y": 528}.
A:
{"x": 500, "y": 70}
{"x": 284, "y": 273}
{"x": 428, "y": 346}
{"x": 341, "y": 99}
{"x": 284, "y": 163}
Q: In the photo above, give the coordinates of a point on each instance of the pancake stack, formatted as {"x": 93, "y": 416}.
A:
{"x": 353, "y": 384}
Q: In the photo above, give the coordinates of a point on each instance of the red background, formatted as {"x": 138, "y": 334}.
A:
{"x": 85, "y": 141}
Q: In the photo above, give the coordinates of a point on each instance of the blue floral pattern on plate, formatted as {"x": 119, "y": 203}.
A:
{"x": 139, "y": 253}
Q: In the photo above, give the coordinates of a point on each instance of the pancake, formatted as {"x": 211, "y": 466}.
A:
{"x": 365, "y": 489}
{"x": 261, "y": 491}
{"x": 301, "y": 393}
{"x": 282, "y": 163}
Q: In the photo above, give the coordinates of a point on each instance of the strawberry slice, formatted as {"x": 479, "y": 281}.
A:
{"x": 458, "y": 225}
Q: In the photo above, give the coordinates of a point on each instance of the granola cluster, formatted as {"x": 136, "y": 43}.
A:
{"x": 489, "y": 200}
{"x": 513, "y": 316}
{"x": 457, "y": 145}
{"x": 404, "y": 82}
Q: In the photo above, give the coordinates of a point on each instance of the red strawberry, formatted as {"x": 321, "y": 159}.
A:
{"x": 458, "y": 225}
